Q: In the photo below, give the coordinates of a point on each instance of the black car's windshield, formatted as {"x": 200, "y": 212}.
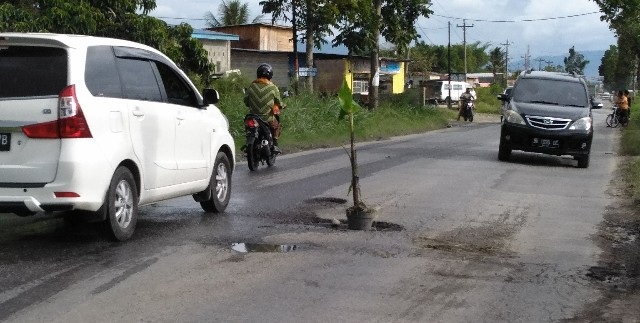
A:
{"x": 553, "y": 92}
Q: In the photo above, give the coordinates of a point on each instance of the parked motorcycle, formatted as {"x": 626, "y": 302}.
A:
{"x": 467, "y": 113}
{"x": 259, "y": 146}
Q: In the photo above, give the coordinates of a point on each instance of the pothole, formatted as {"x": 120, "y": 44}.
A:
{"x": 342, "y": 225}
{"x": 243, "y": 247}
{"x": 328, "y": 201}
{"x": 610, "y": 274}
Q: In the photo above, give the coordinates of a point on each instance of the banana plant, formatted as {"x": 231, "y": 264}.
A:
{"x": 348, "y": 108}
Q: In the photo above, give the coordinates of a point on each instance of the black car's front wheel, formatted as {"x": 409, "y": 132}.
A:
{"x": 583, "y": 161}
{"x": 504, "y": 151}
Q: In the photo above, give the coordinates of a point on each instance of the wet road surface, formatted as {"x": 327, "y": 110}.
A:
{"x": 460, "y": 237}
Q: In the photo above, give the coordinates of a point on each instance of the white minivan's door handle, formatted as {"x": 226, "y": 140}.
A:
{"x": 137, "y": 112}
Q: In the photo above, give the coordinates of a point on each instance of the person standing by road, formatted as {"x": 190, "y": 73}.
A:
{"x": 623, "y": 105}
{"x": 627, "y": 94}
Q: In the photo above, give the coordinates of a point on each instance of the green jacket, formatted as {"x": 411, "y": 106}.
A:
{"x": 261, "y": 96}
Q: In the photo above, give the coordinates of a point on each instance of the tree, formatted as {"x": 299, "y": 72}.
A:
{"x": 497, "y": 60}
{"x": 575, "y": 62}
{"x": 623, "y": 17}
{"x": 551, "y": 68}
{"x": 434, "y": 58}
{"x": 230, "y": 13}
{"x": 314, "y": 18}
{"x": 608, "y": 67}
{"x": 124, "y": 19}
{"x": 362, "y": 22}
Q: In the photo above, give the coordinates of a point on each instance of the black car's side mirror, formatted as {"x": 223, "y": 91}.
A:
{"x": 596, "y": 105}
{"x": 211, "y": 96}
{"x": 503, "y": 97}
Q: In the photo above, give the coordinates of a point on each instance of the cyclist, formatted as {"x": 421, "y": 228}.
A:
{"x": 623, "y": 106}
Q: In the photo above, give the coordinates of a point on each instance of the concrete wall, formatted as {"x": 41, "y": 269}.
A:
{"x": 218, "y": 53}
{"x": 248, "y": 61}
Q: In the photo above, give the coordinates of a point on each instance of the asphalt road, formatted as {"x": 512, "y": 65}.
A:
{"x": 461, "y": 237}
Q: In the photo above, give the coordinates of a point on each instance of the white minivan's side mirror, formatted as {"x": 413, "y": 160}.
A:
{"x": 211, "y": 96}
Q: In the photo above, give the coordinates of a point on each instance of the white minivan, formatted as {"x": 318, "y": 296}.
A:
{"x": 437, "y": 91}
{"x": 95, "y": 127}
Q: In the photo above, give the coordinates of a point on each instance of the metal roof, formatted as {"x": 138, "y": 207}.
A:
{"x": 213, "y": 35}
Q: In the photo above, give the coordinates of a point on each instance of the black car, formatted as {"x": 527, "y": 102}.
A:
{"x": 549, "y": 113}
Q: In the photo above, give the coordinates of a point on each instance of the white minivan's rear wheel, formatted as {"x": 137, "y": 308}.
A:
{"x": 122, "y": 205}
{"x": 220, "y": 185}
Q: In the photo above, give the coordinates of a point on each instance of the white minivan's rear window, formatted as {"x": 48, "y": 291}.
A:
{"x": 29, "y": 71}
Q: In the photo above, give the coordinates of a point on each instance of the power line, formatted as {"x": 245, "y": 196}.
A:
{"x": 425, "y": 34}
{"x": 522, "y": 20}
{"x": 443, "y": 16}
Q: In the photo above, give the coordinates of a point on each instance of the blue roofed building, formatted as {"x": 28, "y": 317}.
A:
{"x": 218, "y": 47}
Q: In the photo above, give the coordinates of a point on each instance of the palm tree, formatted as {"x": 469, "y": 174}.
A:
{"x": 496, "y": 61}
{"x": 232, "y": 12}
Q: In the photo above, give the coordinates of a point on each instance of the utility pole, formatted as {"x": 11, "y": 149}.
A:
{"x": 375, "y": 59}
{"x": 506, "y": 62}
{"x": 539, "y": 60}
{"x": 527, "y": 60}
{"x": 295, "y": 46}
{"x": 464, "y": 43}
{"x": 449, "y": 66}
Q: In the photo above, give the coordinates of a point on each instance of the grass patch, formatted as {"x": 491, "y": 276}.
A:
{"x": 311, "y": 121}
{"x": 630, "y": 146}
{"x": 630, "y": 141}
{"x": 487, "y": 101}
{"x": 633, "y": 180}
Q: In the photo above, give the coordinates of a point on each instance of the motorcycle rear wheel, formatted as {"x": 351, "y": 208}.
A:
{"x": 271, "y": 160}
{"x": 252, "y": 156}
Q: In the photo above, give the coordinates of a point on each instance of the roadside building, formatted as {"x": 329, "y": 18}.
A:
{"x": 218, "y": 47}
{"x": 264, "y": 43}
{"x": 482, "y": 79}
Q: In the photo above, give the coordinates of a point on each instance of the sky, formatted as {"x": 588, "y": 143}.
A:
{"x": 544, "y": 27}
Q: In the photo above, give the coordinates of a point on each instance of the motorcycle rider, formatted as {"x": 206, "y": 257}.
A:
{"x": 464, "y": 99}
{"x": 263, "y": 98}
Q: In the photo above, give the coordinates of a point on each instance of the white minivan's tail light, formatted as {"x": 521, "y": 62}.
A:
{"x": 71, "y": 122}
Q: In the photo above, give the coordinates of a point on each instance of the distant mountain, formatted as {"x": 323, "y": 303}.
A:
{"x": 591, "y": 70}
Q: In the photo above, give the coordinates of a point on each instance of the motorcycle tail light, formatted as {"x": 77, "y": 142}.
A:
{"x": 251, "y": 123}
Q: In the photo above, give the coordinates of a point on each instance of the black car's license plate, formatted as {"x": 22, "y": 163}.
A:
{"x": 5, "y": 141}
{"x": 545, "y": 143}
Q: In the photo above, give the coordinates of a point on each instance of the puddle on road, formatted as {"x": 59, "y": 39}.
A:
{"x": 264, "y": 247}
{"x": 376, "y": 226}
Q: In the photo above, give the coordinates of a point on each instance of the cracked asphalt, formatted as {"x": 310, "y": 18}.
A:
{"x": 460, "y": 237}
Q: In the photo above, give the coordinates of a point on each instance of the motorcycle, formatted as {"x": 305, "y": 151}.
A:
{"x": 467, "y": 113}
{"x": 259, "y": 146}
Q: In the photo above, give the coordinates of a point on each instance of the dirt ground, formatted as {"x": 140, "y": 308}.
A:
{"x": 479, "y": 118}
{"x": 617, "y": 274}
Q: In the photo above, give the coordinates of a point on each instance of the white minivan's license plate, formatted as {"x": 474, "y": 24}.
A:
{"x": 5, "y": 141}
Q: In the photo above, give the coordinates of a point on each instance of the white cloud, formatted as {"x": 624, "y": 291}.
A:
{"x": 549, "y": 37}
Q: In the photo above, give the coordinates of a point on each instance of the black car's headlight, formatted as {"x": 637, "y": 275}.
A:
{"x": 582, "y": 124}
{"x": 511, "y": 116}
